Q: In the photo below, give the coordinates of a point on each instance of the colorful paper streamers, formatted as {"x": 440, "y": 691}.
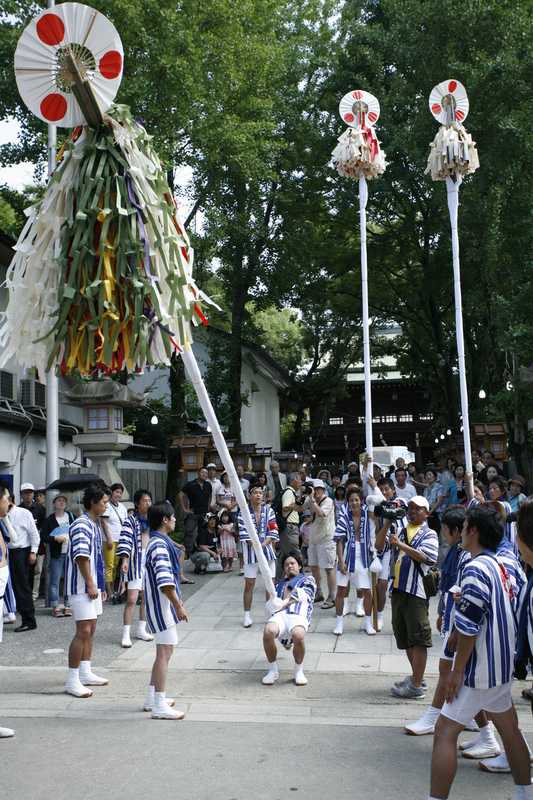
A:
{"x": 42, "y": 71}
{"x": 358, "y": 153}
{"x": 452, "y": 152}
{"x": 102, "y": 275}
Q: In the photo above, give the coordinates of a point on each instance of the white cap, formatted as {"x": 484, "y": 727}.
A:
{"x": 319, "y": 484}
{"x": 27, "y": 487}
{"x": 211, "y": 466}
{"x": 419, "y": 501}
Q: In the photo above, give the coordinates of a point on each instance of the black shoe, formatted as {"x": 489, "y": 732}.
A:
{"x": 27, "y": 627}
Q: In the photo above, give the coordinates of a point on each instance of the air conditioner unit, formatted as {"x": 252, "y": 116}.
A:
{"x": 32, "y": 394}
{"x": 7, "y": 385}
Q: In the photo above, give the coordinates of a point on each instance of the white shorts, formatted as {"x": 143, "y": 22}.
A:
{"x": 137, "y": 583}
{"x": 286, "y": 622}
{"x": 360, "y": 579}
{"x": 446, "y": 655}
{"x": 470, "y": 702}
{"x": 83, "y": 607}
{"x": 384, "y": 575}
{"x": 322, "y": 555}
{"x": 170, "y": 636}
{"x": 251, "y": 570}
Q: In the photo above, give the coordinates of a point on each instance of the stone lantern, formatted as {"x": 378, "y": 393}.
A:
{"x": 103, "y": 440}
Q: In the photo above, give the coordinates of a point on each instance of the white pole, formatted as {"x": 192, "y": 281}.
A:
{"x": 453, "y": 205}
{"x": 363, "y": 198}
{"x": 193, "y": 371}
{"x": 52, "y": 389}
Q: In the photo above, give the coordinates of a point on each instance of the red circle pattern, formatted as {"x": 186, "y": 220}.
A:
{"x": 459, "y": 115}
{"x": 53, "y": 107}
{"x": 50, "y": 29}
{"x": 349, "y": 117}
{"x": 110, "y": 64}
{"x": 436, "y": 108}
{"x": 452, "y": 86}
{"x": 372, "y": 116}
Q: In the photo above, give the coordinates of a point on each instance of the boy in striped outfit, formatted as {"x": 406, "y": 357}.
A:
{"x": 481, "y": 677}
{"x": 132, "y": 550}
{"x": 81, "y": 581}
{"x": 264, "y": 518}
{"x": 291, "y": 619}
{"x": 164, "y": 608}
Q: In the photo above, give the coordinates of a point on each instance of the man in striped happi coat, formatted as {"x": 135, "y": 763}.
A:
{"x": 164, "y": 608}
{"x": 81, "y": 582}
{"x": 266, "y": 526}
{"x": 291, "y": 620}
{"x": 482, "y": 673}
{"x": 132, "y": 550}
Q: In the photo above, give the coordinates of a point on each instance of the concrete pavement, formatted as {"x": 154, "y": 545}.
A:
{"x": 340, "y": 735}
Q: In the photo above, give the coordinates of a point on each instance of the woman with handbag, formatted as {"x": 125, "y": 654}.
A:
{"x": 55, "y": 535}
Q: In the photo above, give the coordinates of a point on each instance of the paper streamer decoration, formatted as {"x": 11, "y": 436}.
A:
{"x": 453, "y": 152}
{"x": 42, "y": 73}
{"x": 452, "y": 155}
{"x": 358, "y": 152}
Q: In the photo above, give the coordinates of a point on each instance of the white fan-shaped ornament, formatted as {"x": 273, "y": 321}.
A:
{"x": 359, "y": 108}
{"x": 441, "y": 106}
{"x": 41, "y": 71}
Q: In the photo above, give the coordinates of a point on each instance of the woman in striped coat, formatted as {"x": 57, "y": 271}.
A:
{"x": 267, "y": 531}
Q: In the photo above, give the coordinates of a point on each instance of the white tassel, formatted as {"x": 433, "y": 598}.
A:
{"x": 352, "y": 157}
{"x": 452, "y": 152}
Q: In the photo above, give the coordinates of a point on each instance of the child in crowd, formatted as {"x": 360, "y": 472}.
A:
{"x": 307, "y": 518}
{"x": 226, "y": 532}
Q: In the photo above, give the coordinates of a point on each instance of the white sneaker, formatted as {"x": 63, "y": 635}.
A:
{"x": 144, "y": 636}
{"x": 126, "y": 641}
{"x": 248, "y": 621}
{"x": 424, "y": 726}
{"x": 90, "y": 679}
{"x": 369, "y": 629}
{"x": 299, "y": 677}
{"x": 77, "y": 690}
{"x": 149, "y": 703}
{"x": 166, "y": 712}
{"x": 359, "y": 608}
{"x": 271, "y": 677}
{"x": 497, "y": 764}
{"x": 380, "y": 622}
{"x": 472, "y": 726}
{"x": 9, "y": 619}
{"x": 483, "y": 750}
{"x": 338, "y": 630}
{"x": 6, "y": 733}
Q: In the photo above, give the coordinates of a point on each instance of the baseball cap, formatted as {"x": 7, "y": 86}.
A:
{"x": 27, "y": 487}
{"x": 419, "y": 501}
{"x": 319, "y": 484}
{"x": 211, "y": 466}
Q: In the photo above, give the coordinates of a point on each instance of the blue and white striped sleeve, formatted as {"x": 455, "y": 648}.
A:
{"x": 475, "y": 598}
{"x": 81, "y": 540}
{"x": 243, "y": 533}
{"x": 162, "y": 567}
{"x": 125, "y": 542}
{"x": 272, "y": 525}
{"x": 342, "y": 527}
{"x": 429, "y": 546}
{"x": 308, "y": 587}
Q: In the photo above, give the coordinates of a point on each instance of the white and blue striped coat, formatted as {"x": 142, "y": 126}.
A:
{"x": 84, "y": 540}
{"x": 345, "y": 530}
{"x": 130, "y": 544}
{"x": 266, "y": 528}
{"x": 158, "y": 572}
{"x": 303, "y": 590}
{"x": 485, "y": 611}
{"x": 410, "y": 580}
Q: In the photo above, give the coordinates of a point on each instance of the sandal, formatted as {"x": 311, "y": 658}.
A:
{"x": 57, "y": 612}
{"x": 67, "y": 612}
{"x": 328, "y": 604}
{"x": 187, "y": 580}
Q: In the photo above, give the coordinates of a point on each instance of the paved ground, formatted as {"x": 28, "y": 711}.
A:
{"x": 340, "y": 735}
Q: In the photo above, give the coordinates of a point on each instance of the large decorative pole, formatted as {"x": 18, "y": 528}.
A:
{"x": 101, "y": 280}
{"x": 358, "y": 156}
{"x": 452, "y": 155}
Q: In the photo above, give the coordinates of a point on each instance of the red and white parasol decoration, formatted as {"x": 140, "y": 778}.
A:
{"x": 452, "y": 155}
{"x": 41, "y": 69}
{"x": 357, "y": 153}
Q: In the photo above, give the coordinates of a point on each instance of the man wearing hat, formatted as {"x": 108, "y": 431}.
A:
{"x": 353, "y": 472}
{"x": 414, "y": 550}
{"x": 322, "y": 552}
{"x": 516, "y": 495}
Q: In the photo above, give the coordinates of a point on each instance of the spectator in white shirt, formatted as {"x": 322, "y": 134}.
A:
{"x": 404, "y": 490}
{"x": 115, "y": 517}
{"x": 216, "y": 484}
{"x": 245, "y": 483}
{"x": 22, "y": 556}
{"x": 321, "y": 553}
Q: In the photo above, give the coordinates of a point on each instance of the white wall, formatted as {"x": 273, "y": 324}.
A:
{"x": 26, "y": 461}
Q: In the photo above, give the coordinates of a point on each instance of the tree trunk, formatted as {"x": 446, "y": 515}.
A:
{"x": 179, "y": 419}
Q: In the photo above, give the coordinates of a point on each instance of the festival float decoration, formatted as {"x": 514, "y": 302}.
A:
{"x": 101, "y": 280}
{"x": 453, "y": 154}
